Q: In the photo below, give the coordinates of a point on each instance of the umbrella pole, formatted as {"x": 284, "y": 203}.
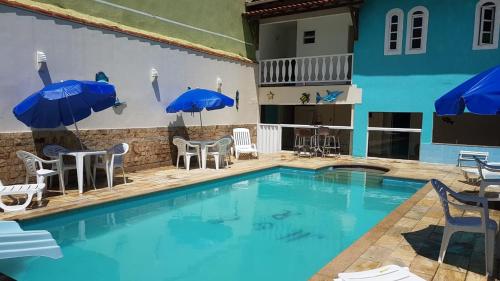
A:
{"x": 201, "y": 123}
{"x": 74, "y": 121}
{"x": 78, "y": 135}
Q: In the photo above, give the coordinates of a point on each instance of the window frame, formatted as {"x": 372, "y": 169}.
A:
{"x": 479, "y": 23}
{"x": 409, "y": 31}
{"x": 399, "y": 32}
{"x": 309, "y": 36}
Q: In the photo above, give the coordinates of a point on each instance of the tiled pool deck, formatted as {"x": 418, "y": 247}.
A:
{"x": 410, "y": 236}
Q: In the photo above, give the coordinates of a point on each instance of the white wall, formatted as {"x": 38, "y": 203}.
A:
{"x": 332, "y": 35}
{"x": 277, "y": 40}
{"x": 77, "y": 52}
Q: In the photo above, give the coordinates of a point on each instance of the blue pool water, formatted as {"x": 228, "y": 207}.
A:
{"x": 276, "y": 224}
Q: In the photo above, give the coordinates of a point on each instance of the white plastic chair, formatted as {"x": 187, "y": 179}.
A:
{"x": 52, "y": 151}
{"x": 243, "y": 142}
{"x": 34, "y": 168}
{"x": 15, "y": 242}
{"x": 186, "y": 150}
{"x": 220, "y": 151}
{"x": 20, "y": 189}
{"x": 481, "y": 224}
{"x": 489, "y": 175}
{"x": 384, "y": 273}
{"x": 115, "y": 154}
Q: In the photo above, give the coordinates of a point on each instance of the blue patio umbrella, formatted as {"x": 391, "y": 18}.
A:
{"x": 195, "y": 100}
{"x": 64, "y": 103}
{"x": 480, "y": 95}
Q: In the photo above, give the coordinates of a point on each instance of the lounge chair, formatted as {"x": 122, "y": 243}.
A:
{"x": 20, "y": 189}
{"x": 15, "y": 242}
{"x": 220, "y": 151}
{"x": 489, "y": 175}
{"x": 482, "y": 224}
{"x": 243, "y": 142}
{"x": 384, "y": 273}
{"x": 116, "y": 161}
{"x": 186, "y": 150}
{"x": 470, "y": 156}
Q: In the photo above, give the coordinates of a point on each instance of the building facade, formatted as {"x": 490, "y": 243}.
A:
{"x": 404, "y": 54}
{"x": 408, "y": 54}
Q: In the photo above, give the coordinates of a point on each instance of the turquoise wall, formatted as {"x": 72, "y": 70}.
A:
{"x": 411, "y": 83}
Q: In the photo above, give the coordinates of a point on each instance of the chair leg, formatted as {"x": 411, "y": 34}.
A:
{"x": 237, "y": 155}
{"x": 124, "y": 178}
{"x": 216, "y": 158}
{"x": 444, "y": 243}
{"x": 187, "y": 161}
{"x": 482, "y": 188}
{"x": 489, "y": 251}
{"x": 178, "y": 158}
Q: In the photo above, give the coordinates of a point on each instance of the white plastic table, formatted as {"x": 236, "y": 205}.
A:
{"x": 203, "y": 150}
{"x": 80, "y": 155}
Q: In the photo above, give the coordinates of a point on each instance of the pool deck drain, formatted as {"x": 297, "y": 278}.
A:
{"x": 409, "y": 236}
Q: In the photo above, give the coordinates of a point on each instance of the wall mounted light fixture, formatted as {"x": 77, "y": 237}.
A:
{"x": 219, "y": 84}
{"x": 41, "y": 59}
{"x": 154, "y": 74}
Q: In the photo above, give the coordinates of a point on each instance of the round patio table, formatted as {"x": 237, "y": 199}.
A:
{"x": 203, "y": 150}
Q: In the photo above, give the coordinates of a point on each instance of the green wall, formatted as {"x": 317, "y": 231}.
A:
{"x": 219, "y": 16}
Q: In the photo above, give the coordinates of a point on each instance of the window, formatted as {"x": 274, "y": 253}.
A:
{"x": 467, "y": 129}
{"x": 394, "y": 134}
{"x": 416, "y": 33}
{"x": 309, "y": 37}
{"x": 393, "y": 32}
{"x": 486, "y": 25}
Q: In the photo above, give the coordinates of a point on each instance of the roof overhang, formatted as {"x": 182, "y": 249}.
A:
{"x": 271, "y": 8}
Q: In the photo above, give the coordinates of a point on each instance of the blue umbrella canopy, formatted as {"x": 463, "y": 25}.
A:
{"x": 196, "y": 100}
{"x": 480, "y": 95}
{"x": 64, "y": 103}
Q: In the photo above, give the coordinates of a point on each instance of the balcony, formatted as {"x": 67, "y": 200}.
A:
{"x": 313, "y": 70}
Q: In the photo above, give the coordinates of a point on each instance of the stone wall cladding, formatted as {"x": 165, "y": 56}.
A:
{"x": 149, "y": 147}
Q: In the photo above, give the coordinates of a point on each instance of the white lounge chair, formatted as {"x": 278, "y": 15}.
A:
{"x": 465, "y": 156}
{"x": 186, "y": 150}
{"x": 116, "y": 154}
{"x": 15, "y": 242}
{"x": 481, "y": 224}
{"x": 489, "y": 175}
{"x": 243, "y": 142}
{"x": 220, "y": 151}
{"x": 20, "y": 189}
{"x": 384, "y": 273}
{"x": 34, "y": 168}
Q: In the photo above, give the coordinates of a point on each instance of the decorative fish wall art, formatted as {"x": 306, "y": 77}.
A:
{"x": 331, "y": 96}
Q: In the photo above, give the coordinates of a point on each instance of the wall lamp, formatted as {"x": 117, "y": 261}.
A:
{"x": 154, "y": 74}
{"x": 41, "y": 59}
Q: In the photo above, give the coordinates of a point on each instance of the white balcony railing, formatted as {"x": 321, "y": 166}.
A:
{"x": 306, "y": 70}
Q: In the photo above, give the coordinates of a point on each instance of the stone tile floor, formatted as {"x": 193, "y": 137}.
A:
{"x": 410, "y": 236}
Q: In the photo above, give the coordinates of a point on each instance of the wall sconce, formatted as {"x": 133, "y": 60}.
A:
{"x": 41, "y": 59}
{"x": 154, "y": 74}
{"x": 219, "y": 84}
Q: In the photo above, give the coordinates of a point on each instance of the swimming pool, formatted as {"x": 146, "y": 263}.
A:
{"x": 275, "y": 224}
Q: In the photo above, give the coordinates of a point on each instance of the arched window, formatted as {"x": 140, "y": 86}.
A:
{"x": 486, "y": 25}
{"x": 416, "y": 32}
{"x": 393, "y": 32}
